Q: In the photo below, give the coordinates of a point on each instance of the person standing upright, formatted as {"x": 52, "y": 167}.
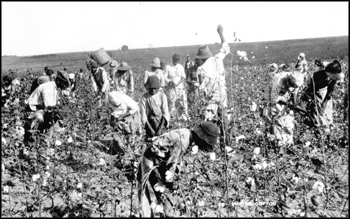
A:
{"x": 175, "y": 88}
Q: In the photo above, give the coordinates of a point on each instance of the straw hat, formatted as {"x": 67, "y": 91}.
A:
{"x": 156, "y": 62}
{"x": 153, "y": 82}
{"x": 208, "y": 131}
{"x": 43, "y": 79}
{"x": 204, "y": 53}
{"x": 113, "y": 64}
{"x": 124, "y": 67}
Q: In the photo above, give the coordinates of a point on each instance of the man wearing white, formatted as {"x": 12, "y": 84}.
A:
{"x": 100, "y": 81}
{"x": 213, "y": 84}
{"x": 174, "y": 78}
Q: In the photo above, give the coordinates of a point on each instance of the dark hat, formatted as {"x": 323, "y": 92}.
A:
{"x": 153, "y": 82}
{"x": 203, "y": 52}
{"x": 208, "y": 131}
{"x": 176, "y": 57}
{"x": 334, "y": 67}
{"x": 94, "y": 64}
{"x": 124, "y": 67}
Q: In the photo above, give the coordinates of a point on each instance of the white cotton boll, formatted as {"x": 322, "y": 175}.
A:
{"x": 228, "y": 149}
{"x": 45, "y": 182}
{"x": 256, "y": 151}
{"x": 307, "y": 144}
{"x": 2, "y": 168}
{"x": 239, "y": 138}
{"x": 3, "y": 141}
{"x": 318, "y": 186}
{"x": 79, "y": 185}
{"x": 6, "y": 189}
{"x": 295, "y": 179}
{"x": 70, "y": 139}
{"x": 169, "y": 176}
{"x": 201, "y": 203}
{"x": 159, "y": 209}
{"x": 264, "y": 164}
{"x": 47, "y": 174}
{"x": 194, "y": 149}
{"x": 257, "y": 166}
{"x": 153, "y": 205}
{"x": 253, "y": 107}
{"x": 212, "y": 156}
{"x": 58, "y": 143}
{"x": 35, "y": 177}
{"x": 101, "y": 162}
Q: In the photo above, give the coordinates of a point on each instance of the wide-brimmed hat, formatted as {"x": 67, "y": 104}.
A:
{"x": 334, "y": 67}
{"x": 113, "y": 64}
{"x": 124, "y": 67}
{"x": 156, "y": 62}
{"x": 208, "y": 131}
{"x": 302, "y": 55}
{"x": 152, "y": 82}
{"x": 203, "y": 53}
{"x": 114, "y": 99}
{"x": 43, "y": 79}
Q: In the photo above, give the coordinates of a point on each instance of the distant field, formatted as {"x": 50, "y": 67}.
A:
{"x": 284, "y": 51}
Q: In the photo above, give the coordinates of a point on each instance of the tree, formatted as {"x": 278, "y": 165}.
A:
{"x": 125, "y": 48}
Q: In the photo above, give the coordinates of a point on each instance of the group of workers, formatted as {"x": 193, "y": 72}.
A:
{"x": 200, "y": 81}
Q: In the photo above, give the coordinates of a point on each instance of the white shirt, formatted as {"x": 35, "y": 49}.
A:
{"x": 44, "y": 95}
{"x": 120, "y": 104}
{"x": 174, "y": 73}
{"x": 105, "y": 78}
{"x": 213, "y": 75}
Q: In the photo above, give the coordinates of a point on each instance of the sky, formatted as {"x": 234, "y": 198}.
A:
{"x": 35, "y": 28}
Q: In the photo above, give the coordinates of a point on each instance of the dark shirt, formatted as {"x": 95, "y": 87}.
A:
{"x": 320, "y": 80}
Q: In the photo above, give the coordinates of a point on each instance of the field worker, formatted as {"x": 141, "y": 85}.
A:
{"x": 282, "y": 118}
{"x": 192, "y": 84}
{"x": 39, "y": 80}
{"x": 175, "y": 78}
{"x": 160, "y": 160}
{"x": 188, "y": 62}
{"x": 318, "y": 94}
{"x": 125, "y": 120}
{"x": 321, "y": 64}
{"x": 100, "y": 82}
{"x": 41, "y": 111}
{"x": 155, "y": 115}
{"x": 301, "y": 64}
{"x": 156, "y": 69}
{"x": 124, "y": 79}
{"x": 73, "y": 84}
{"x": 213, "y": 84}
{"x": 274, "y": 68}
{"x": 81, "y": 74}
{"x": 283, "y": 67}
{"x": 112, "y": 69}
{"x": 9, "y": 86}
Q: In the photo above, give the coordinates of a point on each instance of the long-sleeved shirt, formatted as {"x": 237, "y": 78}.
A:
{"x": 174, "y": 143}
{"x": 320, "y": 80}
{"x": 43, "y": 96}
{"x": 155, "y": 105}
{"x": 159, "y": 73}
{"x": 213, "y": 74}
{"x": 124, "y": 82}
{"x": 120, "y": 104}
{"x": 175, "y": 73}
{"x": 100, "y": 81}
